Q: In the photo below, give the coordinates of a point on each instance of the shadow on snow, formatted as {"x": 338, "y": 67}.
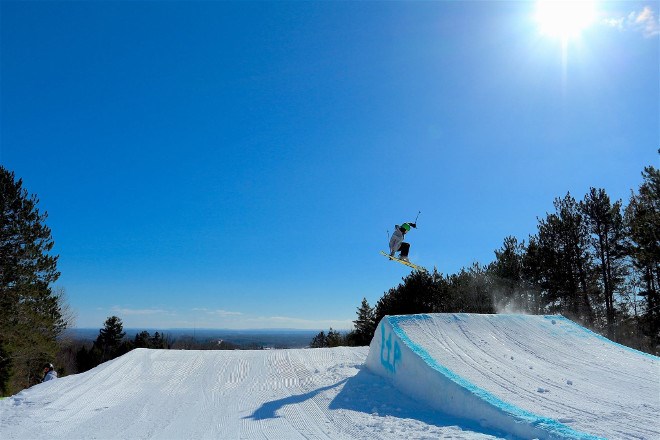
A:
{"x": 268, "y": 409}
{"x": 371, "y": 394}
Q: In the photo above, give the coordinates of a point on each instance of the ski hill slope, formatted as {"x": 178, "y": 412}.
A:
{"x": 271, "y": 394}
{"x": 424, "y": 376}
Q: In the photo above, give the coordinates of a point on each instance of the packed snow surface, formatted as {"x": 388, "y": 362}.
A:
{"x": 574, "y": 381}
{"x": 535, "y": 376}
{"x": 270, "y": 394}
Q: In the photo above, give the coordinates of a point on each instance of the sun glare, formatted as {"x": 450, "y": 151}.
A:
{"x": 563, "y": 18}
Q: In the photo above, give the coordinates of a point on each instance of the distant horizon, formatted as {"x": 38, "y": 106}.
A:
{"x": 291, "y": 338}
{"x": 265, "y": 330}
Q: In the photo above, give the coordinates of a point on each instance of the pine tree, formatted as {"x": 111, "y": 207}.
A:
{"x": 319, "y": 341}
{"x": 420, "y": 292}
{"x": 365, "y": 325}
{"x": 156, "y": 341}
{"x": 333, "y": 339}
{"x": 30, "y": 312}
{"x": 642, "y": 216}
{"x": 605, "y": 224}
{"x": 565, "y": 265}
{"x": 145, "y": 340}
{"x": 512, "y": 288}
{"x": 142, "y": 340}
{"x": 508, "y": 264}
{"x": 470, "y": 291}
{"x": 109, "y": 340}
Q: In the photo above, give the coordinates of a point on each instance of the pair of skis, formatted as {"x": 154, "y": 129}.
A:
{"x": 404, "y": 262}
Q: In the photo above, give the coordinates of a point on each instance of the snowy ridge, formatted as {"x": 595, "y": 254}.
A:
{"x": 528, "y": 376}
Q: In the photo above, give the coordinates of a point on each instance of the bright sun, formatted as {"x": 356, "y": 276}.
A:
{"x": 564, "y": 19}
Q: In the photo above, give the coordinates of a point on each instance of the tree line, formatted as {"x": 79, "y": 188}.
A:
{"x": 113, "y": 342}
{"x": 593, "y": 260}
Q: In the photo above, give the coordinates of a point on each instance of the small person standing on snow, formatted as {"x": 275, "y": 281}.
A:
{"x": 397, "y": 243}
{"x": 49, "y": 372}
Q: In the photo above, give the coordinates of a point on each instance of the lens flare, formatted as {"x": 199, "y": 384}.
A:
{"x": 564, "y": 19}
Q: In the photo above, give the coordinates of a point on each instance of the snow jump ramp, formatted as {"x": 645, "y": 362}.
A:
{"x": 525, "y": 376}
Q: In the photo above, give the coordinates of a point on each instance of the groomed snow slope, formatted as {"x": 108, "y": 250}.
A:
{"x": 424, "y": 377}
{"x": 531, "y": 376}
{"x": 272, "y": 394}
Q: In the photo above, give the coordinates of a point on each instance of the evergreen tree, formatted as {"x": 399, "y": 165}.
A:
{"x": 319, "y": 341}
{"x": 508, "y": 265}
{"x": 605, "y": 225}
{"x": 512, "y": 288}
{"x": 565, "y": 265}
{"x": 420, "y": 292}
{"x": 533, "y": 273}
{"x": 333, "y": 339}
{"x": 158, "y": 341}
{"x": 30, "y": 312}
{"x": 365, "y": 325}
{"x": 109, "y": 340}
{"x": 142, "y": 340}
{"x": 470, "y": 291}
{"x": 642, "y": 217}
{"x": 145, "y": 340}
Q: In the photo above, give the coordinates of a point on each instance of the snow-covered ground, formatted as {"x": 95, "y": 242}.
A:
{"x": 272, "y": 394}
{"x": 536, "y": 376}
{"x": 513, "y": 367}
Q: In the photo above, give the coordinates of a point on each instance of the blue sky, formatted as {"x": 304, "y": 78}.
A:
{"x": 239, "y": 164}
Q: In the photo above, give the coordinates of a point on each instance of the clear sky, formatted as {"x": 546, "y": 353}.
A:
{"x": 239, "y": 164}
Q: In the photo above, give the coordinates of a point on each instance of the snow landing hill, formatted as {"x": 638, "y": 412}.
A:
{"x": 457, "y": 376}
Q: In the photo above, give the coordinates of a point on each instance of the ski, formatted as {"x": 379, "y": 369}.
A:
{"x": 405, "y": 263}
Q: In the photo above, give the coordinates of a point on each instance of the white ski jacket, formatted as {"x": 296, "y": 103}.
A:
{"x": 396, "y": 240}
{"x": 52, "y": 374}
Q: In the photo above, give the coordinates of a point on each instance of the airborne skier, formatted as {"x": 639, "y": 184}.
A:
{"x": 398, "y": 245}
{"x": 396, "y": 242}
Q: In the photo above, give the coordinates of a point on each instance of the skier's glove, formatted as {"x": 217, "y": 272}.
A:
{"x": 414, "y": 225}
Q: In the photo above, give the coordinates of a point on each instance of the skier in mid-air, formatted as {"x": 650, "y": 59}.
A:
{"x": 396, "y": 242}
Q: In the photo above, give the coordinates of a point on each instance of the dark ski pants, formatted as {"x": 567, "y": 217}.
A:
{"x": 404, "y": 248}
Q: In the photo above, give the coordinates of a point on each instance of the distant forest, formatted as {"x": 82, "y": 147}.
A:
{"x": 594, "y": 260}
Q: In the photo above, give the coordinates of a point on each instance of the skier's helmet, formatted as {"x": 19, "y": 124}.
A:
{"x": 406, "y": 226}
{"x": 49, "y": 366}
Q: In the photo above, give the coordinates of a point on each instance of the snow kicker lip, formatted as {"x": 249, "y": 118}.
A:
{"x": 414, "y": 371}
